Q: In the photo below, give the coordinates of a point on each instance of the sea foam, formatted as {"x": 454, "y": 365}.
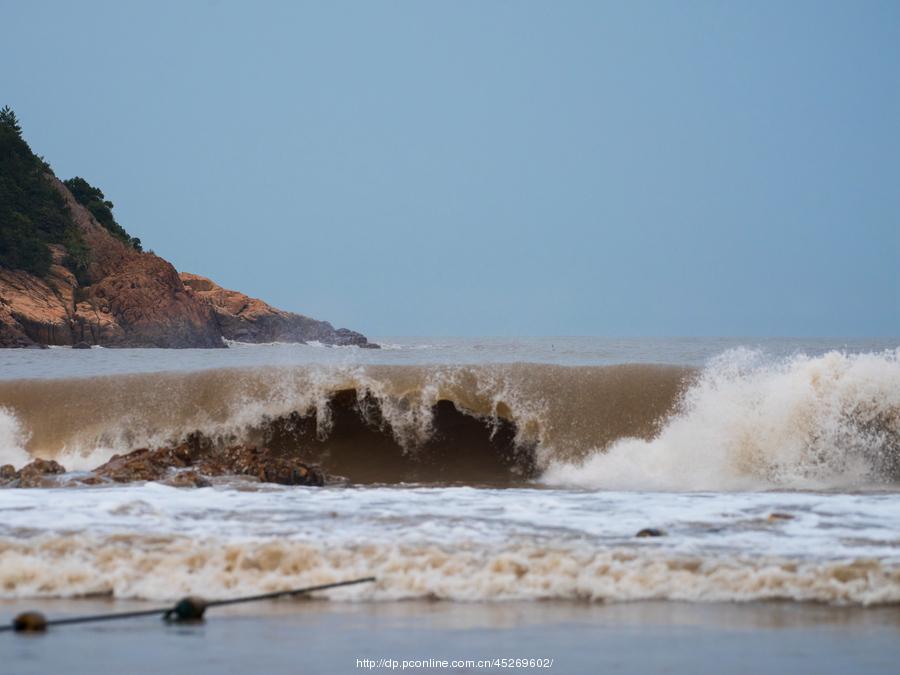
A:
{"x": 832, "y": 421}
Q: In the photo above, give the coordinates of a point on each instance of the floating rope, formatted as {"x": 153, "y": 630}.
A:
{"x": 187, "y": 609}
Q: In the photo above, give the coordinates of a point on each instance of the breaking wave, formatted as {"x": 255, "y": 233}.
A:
{"x": 742, "y": 422}
{"x": 375, "y": 423}
{"x": 157, "y": 542}
{"x": 745, "y": 423}
{"x": 166, "y": 568}
{"x": 12, "y": 440}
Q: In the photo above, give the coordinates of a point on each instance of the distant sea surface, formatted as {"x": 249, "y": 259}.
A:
{"x": 63, "y": 362}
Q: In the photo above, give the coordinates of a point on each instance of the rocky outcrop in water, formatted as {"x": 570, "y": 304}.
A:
{"x": 190, "y": 464}
{"x": 39, "y": 473}
{"x": 195, "y": 461}
{"x": 245, "y": 319}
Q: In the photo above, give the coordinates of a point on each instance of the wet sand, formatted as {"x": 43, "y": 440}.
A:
{"x": 328, "y": 637}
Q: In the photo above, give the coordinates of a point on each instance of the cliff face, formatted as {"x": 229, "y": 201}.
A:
{"x": 133, "y": 299}
{"x": 245, "y": 319}
{"x": 33, "y": 309}
{"x": 128, "y": 298}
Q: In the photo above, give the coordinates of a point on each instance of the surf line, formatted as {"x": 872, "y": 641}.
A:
{"x": 187, "y": 610}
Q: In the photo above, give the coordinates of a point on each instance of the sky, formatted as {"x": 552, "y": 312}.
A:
{"x": 491, "y": 168}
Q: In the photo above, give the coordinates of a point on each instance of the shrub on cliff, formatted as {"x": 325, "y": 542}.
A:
{"x": 95, "y": 201}
{"x": 32, "y": 213}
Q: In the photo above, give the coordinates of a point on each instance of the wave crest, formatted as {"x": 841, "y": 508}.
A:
{"x": 166, "y": 568}
{"x": 827, "y": 422}
{"x": 364, "y": 414}
{"x": 742, "y": 423}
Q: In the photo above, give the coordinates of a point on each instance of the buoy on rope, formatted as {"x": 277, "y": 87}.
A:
{"x": 187, "y": 610}
{"x": 190, "y": 609}
{"x": 30, "y": 622}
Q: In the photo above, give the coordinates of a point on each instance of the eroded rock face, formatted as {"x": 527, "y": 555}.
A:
{"x": 144, "y": 304}
{"x": 35, "y": 310}
{"x": 245, "y": 319}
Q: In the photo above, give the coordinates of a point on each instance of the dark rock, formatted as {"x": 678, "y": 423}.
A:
{"x": 37, "y": 473}
{"x": 650, "y": 532}
{"x": 775, "y": 517}
{"x": 245, "y": 319}
{"x": 195, "y": 460}
{"x": 268, "y": 467}
{"x": 81, "y": 345}
{"x": 83, "y": 480}
{"x": 189, "y": 478}
{"x": 7, "y": 473}
{"x": 146, "y": 464}
{"x": 345, "y": 337}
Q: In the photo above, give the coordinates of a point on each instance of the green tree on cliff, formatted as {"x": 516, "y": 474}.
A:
{"x": 32, "y": 213}
{"x": 8, "y": 119}
{"x": 93, "y": 199}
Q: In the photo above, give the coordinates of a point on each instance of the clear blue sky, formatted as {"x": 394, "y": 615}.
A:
{"x": 500, "y": 168}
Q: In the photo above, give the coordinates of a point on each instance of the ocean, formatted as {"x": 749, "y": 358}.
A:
{"x": 473, "y": 473}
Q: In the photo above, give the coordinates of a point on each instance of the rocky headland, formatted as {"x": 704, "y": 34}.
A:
{"x": 71, "y": 275}
{"x": 245, "y": 319}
